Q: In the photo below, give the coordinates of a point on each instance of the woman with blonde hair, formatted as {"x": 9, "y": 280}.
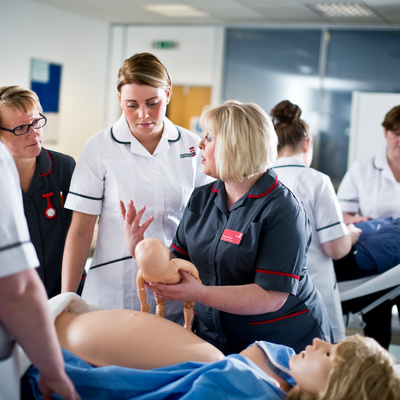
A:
{"x": 143, "y": 157}
{"x": 248, "y": 237}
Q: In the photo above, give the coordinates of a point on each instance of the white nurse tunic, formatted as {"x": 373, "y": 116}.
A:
{"x": 370, "y": 188}
{"x": 114, "y": 166}
{"x": 315, "y": 190}
{"x": 17, "y": 254}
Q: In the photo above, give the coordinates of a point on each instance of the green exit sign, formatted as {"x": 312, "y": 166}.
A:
{"x": 164, "y": 45}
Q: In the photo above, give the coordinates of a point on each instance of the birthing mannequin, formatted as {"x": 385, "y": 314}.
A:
{"x": 153, "y": 260}
{"x": 132, "y": 339}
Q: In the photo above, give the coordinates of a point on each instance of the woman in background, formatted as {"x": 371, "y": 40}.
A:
{"x": 330, "y": 237}
{"x": 371, "y": 189}
{"x": 45, "y": 177}
{"x": 143, "y": 157}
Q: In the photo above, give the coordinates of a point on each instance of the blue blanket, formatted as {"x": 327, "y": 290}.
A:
{"x": 234, "y": 377}
{"x": 378, "y": 248}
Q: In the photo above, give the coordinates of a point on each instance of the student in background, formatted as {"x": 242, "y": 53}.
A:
{"x": 330, "y": 236}
{"x": 371, "y": 189}
{"x": 45, "y": 176}
{"x": 143, "y": 157}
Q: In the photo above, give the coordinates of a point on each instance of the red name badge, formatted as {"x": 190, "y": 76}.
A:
{"x": 232, "y": 236}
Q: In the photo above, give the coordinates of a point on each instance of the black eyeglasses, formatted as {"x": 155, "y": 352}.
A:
{"x": 22, "y": 129}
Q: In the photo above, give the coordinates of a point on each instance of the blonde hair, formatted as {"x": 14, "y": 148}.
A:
{"x": 18, "y": 98}
{"x": 246, "y": 142}
{"x": 362, "y": 370}
{"x": 144, "y": 69}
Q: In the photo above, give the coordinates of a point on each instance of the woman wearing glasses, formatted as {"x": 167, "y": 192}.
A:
{"x": 44, "y": 176}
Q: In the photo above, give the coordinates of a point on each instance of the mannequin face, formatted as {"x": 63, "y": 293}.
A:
{"x": 207, "y": 147}
{"x": 311, "y": 367}
{"x": 23, "y": 147}
{"x": 393, "y": 144}
{"x": 144, "y": 107}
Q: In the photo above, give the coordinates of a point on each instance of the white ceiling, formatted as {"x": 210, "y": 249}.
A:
{"x": 229, "y": 12}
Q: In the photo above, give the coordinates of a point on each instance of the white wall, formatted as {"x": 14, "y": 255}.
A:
{"x": 32, "y": 30}
{"x": 368, "y": 111}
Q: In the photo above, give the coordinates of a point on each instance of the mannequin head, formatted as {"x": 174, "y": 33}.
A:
{"x": 361, "y": 370}
{"x": 153, "y": 259}
{"x": 152, "y": 256}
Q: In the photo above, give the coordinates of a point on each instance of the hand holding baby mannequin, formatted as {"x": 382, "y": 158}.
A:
{"x": 153, "y": 260}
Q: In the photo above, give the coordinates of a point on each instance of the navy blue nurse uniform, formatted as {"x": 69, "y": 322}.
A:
{"x": 263, "y": 238}
{"x": 48, "y": 220}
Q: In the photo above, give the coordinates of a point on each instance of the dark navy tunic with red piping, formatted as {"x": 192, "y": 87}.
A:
{"x": 271, "y": 252}
{"x": 48, "y": 220}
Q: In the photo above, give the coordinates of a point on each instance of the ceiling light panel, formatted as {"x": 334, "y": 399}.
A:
{"x": 174, "y": 10}
{"x": 342, "y": 9}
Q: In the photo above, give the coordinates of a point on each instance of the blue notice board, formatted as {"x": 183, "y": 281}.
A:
{"x": 46, "y": 82}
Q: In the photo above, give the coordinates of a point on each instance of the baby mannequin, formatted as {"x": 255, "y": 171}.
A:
{"x": 153, "y": 260}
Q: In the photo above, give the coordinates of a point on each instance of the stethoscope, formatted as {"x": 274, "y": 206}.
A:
{"x": 50, "y": 212}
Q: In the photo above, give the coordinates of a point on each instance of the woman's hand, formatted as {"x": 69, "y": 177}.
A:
{"x": 350, "y": 218}
{"x": 354, "y": 233}
{"x": 240, "y": 299}
{"x": 189, "y": 289}
{"x": 133, "y": 231}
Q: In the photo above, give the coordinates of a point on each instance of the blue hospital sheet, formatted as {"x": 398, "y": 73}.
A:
{"x": 234, "y": 377}
{"x": 378, "y": 248}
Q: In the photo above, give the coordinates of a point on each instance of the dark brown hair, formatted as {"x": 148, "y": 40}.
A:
{"x": 289, "y": 127}
{"x": 392, "y": 119}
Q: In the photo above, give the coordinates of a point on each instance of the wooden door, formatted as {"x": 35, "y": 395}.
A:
{"x": 186, "y": 105}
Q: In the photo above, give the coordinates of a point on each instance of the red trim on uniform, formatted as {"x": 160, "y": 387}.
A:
{"x": 279, "y": 319}
{"x": 180, "y": 250}
{"x": 262, "y": 271}
{"x": 214, "y": 190}
{"x": 51, "y": 166}
{"x": 257, "y": 196}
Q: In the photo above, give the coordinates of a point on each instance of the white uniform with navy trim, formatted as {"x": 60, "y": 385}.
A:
{"x": 316, "y": 192}
{"x": 114, "y": 166}
{"x": 16, "y": 255}
{"x": 370, "y": 188}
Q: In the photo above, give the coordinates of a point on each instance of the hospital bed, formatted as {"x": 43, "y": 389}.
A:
{"x": 358, "y": 296}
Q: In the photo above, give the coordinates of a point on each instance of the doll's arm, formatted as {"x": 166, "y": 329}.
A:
{"x": 141, "y": 292}
{"x": 187, "y": 266}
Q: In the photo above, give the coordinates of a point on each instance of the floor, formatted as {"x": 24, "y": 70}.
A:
{"x": 394, "y": 348}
